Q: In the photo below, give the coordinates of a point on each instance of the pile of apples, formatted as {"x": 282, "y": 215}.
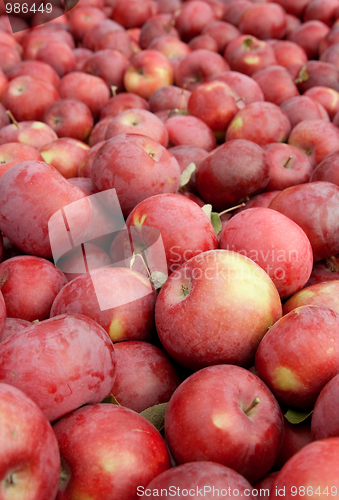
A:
{"x": 169, "y": 250}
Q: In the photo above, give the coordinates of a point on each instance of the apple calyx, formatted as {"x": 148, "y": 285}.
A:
{"x": 185, "y": 290}
{"x": 9, "y": 480}
{"x": 254, "y": 403}
{"x": 248, "y": 43}
{"x": 303, "y": 76}
{"x": 13, "y": 120}
{"x": 287, "y": 162}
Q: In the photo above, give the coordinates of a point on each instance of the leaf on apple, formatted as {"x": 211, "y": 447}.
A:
{"x": 187, "y": 174}
{"x": 214, "y": 218}
{"x": 111, "y": 400}
{"x": 297, "y": 416}
{"x": 158, "y": 279}
{"x": 156, "y": 415}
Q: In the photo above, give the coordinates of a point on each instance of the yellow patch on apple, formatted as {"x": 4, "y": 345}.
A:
{"x": 285, "y": 379}
{"x": 116, "y": 330}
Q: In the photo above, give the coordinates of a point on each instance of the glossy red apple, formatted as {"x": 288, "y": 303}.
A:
{"x": 33, "y": 133}
{"x": 121, "y": 102}
{"x": 185, "y": 130}
{"x": 198, "y": 67}
{"x": 276, "y": 83}
{"x": 193, "y": 18}
{"x": 247, "y": 54}
{"x": 251, "y": 21}
{"x": 70, "y": 118}
{"x": 59, "y": 56}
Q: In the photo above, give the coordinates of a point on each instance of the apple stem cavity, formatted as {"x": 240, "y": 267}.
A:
{"x": 13, "y": 120}
{"x": 252, "y": 405}
{"x": 287, "y": 162}
{"x": 185, "y": 290}
{"x": 9, "y": 480}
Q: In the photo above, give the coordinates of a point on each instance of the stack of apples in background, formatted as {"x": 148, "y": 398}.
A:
{"x": 181, "y": 158}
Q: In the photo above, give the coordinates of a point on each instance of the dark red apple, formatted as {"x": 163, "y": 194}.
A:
{"x": 70, "y": 118}
{"x": 198, "y": 67}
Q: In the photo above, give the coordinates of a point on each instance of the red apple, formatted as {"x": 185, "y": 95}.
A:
{"x": 3, "y": 83}
{"x": 13, "y": 326}
{"x": 82, "y": 18}
{"x": 223, "y": 33}
{"x": 58, "y": 55}
{"x": 245, "y": 87}
{"x": 317, "y": 73}
{"x": 234, "y": 11}
{"x": 295, "y": 438}
{"x": 70, "y": 118}
{"x": 183, "y": 237}
{"x": 131, "y": 454}
{"x": 110, "y": 65}
{"x": 139, "y": 162}
{"x": 65, "y": 155}
{"x": 36, "y": 38}
{"x": 295, "y": 7}
{"x": 32, "y": 192}
{"x": 169, "y": 97}
{"x": 330, "y": 55}
{"x": 170, "y": 46}
{"x": 327, "y": 170}
{"x": 288, "y": 53}
{"x": 184, "y": 156}
{"x": 193, "y": 18}
{"x": 234, "y": 399}
{"x": 32, "y": 133}
{"x": 276, "y": 83}
{"x": 286, "y": 359}
{"x": 310, "y": 470}
{"x": 9, "y": 57}
{"x": 201, "y": 478}
{"x": 247, "y": 54}
{"x": 30, "y": 466}
{"x": 117, "y": 40}
{"x": 276, "y": 243}
{"x": 325, "y": 422}
{"x": 20, "y": 98}
{"x": 321, "y": 294}
{"x": 301, "y": 108}
{"x": 329, "y": 98}
{"x": 184, "y": 130}
{"x": 138, "y": 122}
{"x": 322, "y": 10}
{"x": 89, "y": 89}
{"x": 85, "y": 167}
{"x": 73, "y": 261}
{"x": 3, "y": 313}
{"x": 98, "y": 31}
{"x": 309, "y": 35}
{"x": 144, "y": 376}
{"x": 275, "y": 21}
{"x": 161, "y": 25}
{"x": 37, "y": 69}
{"x": 98, "y": 132}
{"x": 122, "y": 102}
{"x": 81, "y": 55}
{"x": 216, "y": 333}
{"x": 198, "y": 67}
{"x": 205, "y": 42}
{"x": 136, "y": 15}
{"x": 260, "y": 122}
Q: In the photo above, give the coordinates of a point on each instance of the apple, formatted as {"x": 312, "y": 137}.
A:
{"x": 309, "y": 36}
{"x": 98, "y": 132}
{"x": 244, "y": 86}
{"x": 234, "y": 10}
{"x": 331, "y": 38}
{"x": 168, "y": 6}
{"x": 65, "y": 155}
{"x": 301, "y": 108}
{"x": 324, "y": 423}
{"x": 251, "y": 21}
{"x": 193, "y": 18}
{"x": 69, "y": 118}
{"x": 13, "y": 326}
{"x": 148, "y": 169}
{"x": 299, "y": 355}
{"x": 205, "y": 42}
{"x": 183, "y": 237}
{"x": 30, "y": 193}
{"x": 9, "y": 56}
{"x": 288, "y": 53}
{"x": 199, "y": 478}
{"x": 169, "y": 97}
{"x": 318, "y": 73}
{"x": 42, "y": 279}
{"x": 215, "y": 104}
{"x": 247, "y": 54}
{"x": 89, "y": 89}
{"x": 221, "y": 336}
{"x": 236, "y": 169}
{"x": 259, "y": 200}
{"x": 199, "y": 66}
{"x": 94, "y": 34}
{"x": 156, "y": 27}
{"x": 144, "y": 375}
{"x": 184, "y": 130}
{"x": 295, "y": 438}
{"x": 32, "y": 133}
{"x": 122, "y": 102}
{"x": 302, "y": 204}
{"x": 117, "y": 40}
{"x": 36, "y": 38}
{"x": 20, "y": 97}
{"x": 311, "y": 469}
{"x": 223, "y": 33}
{"x": 260, "y": 122}
{"x": 320, "y": 294}
{"x": 85, "y": 167}
{"x": 135, "y": 16}
{"x": 184, "y": 156}
{"x": 295, "y": 7}
{"x": 276, "y": 83}
{"x": 3, "y": 82}
{"x": 81, "y": 55}
{"x": 4, "y": 118}
{"x": 101, "y": 64}
{"x": 316, "y": 138}
{"x": 170, "y": 46}
{"x": 131, "y": 454}
{"x": 324, "y": 270}
{"x": 322, "y": 10}
{"x": 234, "y": 398}
{"x": 139, "y": 122}
{"x": 82, "y": 18}
{"x": 37, "y": 69}
{"x": 30, "y": 466}
{"x": 3, "y": 313}
{"x": 73, "y": 261}
{"x": 265, "y": 484}
{"x": 292, "y": 23}
{"x": 276, "y": 243}
{"x": 330, "y": 55}
{"x": 327, "y": 170}
{"x": 58, "y": 55}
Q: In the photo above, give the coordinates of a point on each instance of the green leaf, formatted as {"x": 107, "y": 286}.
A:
{"x": 207, "y": 209}
{"x": 297, "y": 416}
{"x": 111, "y": 400}
{"x": 216, "y": 222}
{"x": 187, "y": 174}
{"x": 158, "y": 279}
{"x": 156, "y": 415}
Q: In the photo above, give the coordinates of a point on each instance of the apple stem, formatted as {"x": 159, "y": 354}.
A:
{"x": 248, "y": 42}
{"x": 288, "y": 160}
{"x": 252, "y": 405}
{"x": 35, "y": 322}
{"x": 114, "y": 89}
{"x": 332, "y": 264}
{"x": 13, "y": 120}
{"x": 230, "y": 209}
